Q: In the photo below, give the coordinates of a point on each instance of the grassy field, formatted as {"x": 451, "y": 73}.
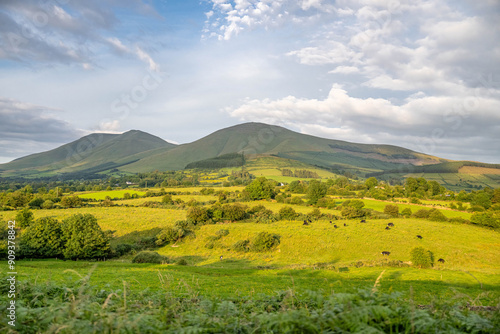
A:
{"x": 233, "y": 278}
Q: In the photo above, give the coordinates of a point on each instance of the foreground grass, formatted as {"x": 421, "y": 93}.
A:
{"x": 238, "y": 278}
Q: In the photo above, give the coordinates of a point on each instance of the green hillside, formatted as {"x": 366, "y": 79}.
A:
{"x": 257, "y": 138}
{"x": 90, "y": 154}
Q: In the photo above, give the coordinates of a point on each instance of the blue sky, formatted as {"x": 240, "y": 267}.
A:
{"x": 419, "y": 74}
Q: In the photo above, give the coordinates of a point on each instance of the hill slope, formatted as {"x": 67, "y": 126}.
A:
{"x": 258, "y": 138}
{"x": 92, "y": 153}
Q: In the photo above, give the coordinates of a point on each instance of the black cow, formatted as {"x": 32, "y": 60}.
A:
{"x": 305, "y": 223}
{"x": 390, "y": 224}
{"x": 345, "y": 224}
{"x": 419, "y": 236}
{"x": 330, "y": 221}
{"x": 335, "y": 226}
{"x": 221, "y": 257}
{"x": 363, "y": 221}
{"x": 386, "y": 253}
{"x": 387, "y": 228}
{"x": 441, "y": 260}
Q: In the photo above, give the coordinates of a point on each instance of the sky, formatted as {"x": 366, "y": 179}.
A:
{"x": 424, "y": 75}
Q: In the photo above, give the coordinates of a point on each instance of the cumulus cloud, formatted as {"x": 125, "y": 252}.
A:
{"x": 27, "y": 128}
{"x": 427, "y": 124}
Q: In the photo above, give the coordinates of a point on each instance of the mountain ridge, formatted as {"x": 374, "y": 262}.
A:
{"x": 137, "y": 151}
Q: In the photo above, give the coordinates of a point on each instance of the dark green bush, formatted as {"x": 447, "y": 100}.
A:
{"x": 422, "y": 213}
{"x": 265, "y": 241}
{"x": 241, "y": 246}
{"x": 422, "y": 258}
{"x": 392, "y": 210}
{"x": 436, "y": 215}
{"x": 149, "y": 257}
{"x": 122, "y": 249}
{"x": 287, "y": 213}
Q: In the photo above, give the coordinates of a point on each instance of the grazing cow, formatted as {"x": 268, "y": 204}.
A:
{"x": 345, "y": 224}
{"x": 221, "y": 257}
{"x": 386, "y": 253}
{"x": 330, "y": 221}
{"x": 441, "y": 260}
{"x": 387, "y": 228}
{"x": 419, "y": 236}
{"x": 305, "y": 223}
{"x": 390, "y": 224}
{"x": 363, "y": 221}
{"x": 335, "y": 226}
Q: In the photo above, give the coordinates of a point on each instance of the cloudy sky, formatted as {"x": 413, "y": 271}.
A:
{"x": 420, "y": 74}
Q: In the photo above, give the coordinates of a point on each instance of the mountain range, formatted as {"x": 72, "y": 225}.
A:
{"x": 136, "y": 151}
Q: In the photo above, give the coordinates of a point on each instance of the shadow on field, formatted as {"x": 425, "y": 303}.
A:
{"x": 191, "y": 260}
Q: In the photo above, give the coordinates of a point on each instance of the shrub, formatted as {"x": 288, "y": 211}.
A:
{"x": 171, "y": 234}
{"x": 241, "y": 246}
{"x": 265, "y": 241}
{"x": 422, "y": 258}
{"x": 167, "y": 199}
{"x": 36, "y": 202}
{"x": 352, "y": 212}
{"x": 406, "y": 212}
{"x": 222, "y": 233}
{"x": 392, "y": 210}
{"x": 437, "y": 216}
{"x": 198, "y": 214}
{"x": 485, "y": 219}
{"x": 149, "y": 257}
{"x": 233, "y": 212}
{"x": 315, "y": 213}
{"x": 182, "y": 262}
{"x": 287, "y": 213}
{"x": 48, "y": 204}
{"x": 71, "y": 201}
{"x": 422, "y": 213}
{"x": 261, "y": 188}
{"x": 122, "y": 249}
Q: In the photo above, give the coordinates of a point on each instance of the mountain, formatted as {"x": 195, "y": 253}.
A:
{"x": 136, "y": 151}
{"x": 262, "y": 139}
{"x": 90, "y": 154}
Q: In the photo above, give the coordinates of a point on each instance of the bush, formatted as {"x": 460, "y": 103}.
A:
{"x": 171, "y": 234}
{"x": 422, "y": 258}
{"x": 406, "y": 212}
{"x": 48, "y": 204}
{"x": 392, "y": 210}
{"x": 167, "y": 199}
{"x": 122, "y": 249}
{"x": 437, "y": 216}
{"x": 241, "y": 246}
{"x": 222, "y": 233}
{"x": 485, "y": 219}
{"x": 198, "y": 214}
{"x": 182, "y": 262}
{"x": 149, "y": 257}
{"x": 233, "y": 212}
{"x": 265, "y": 241}
{"x": 315, "y": 213}
{"x": 287, "y": 213}
{"x": 422, "y": 213}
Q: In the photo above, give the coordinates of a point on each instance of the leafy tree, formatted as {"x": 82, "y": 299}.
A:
{"x": 261, "y": 188}
{"x": 36, "y": 202}
{"x": 315, "y": 191}
{"x": 43, "y": 238}
{"x": 422, "y": 258}
{"x": 392, "y": 210}
{"x": 297, "y": 187}
{"x": 353, "y": 209}
{"x": 167, "y": 199}
{"x": 85, "y": 239}
{"x": 24, "y": 218}
{"x": 482, "y": 199}
{"x": 371, "y": 183}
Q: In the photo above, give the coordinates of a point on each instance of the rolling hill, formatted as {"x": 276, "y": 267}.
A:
{"x": 136, "y": 151}
{"x": 90, "y": 154}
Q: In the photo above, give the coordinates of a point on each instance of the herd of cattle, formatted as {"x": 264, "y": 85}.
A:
{"x": 388, "y": 227}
